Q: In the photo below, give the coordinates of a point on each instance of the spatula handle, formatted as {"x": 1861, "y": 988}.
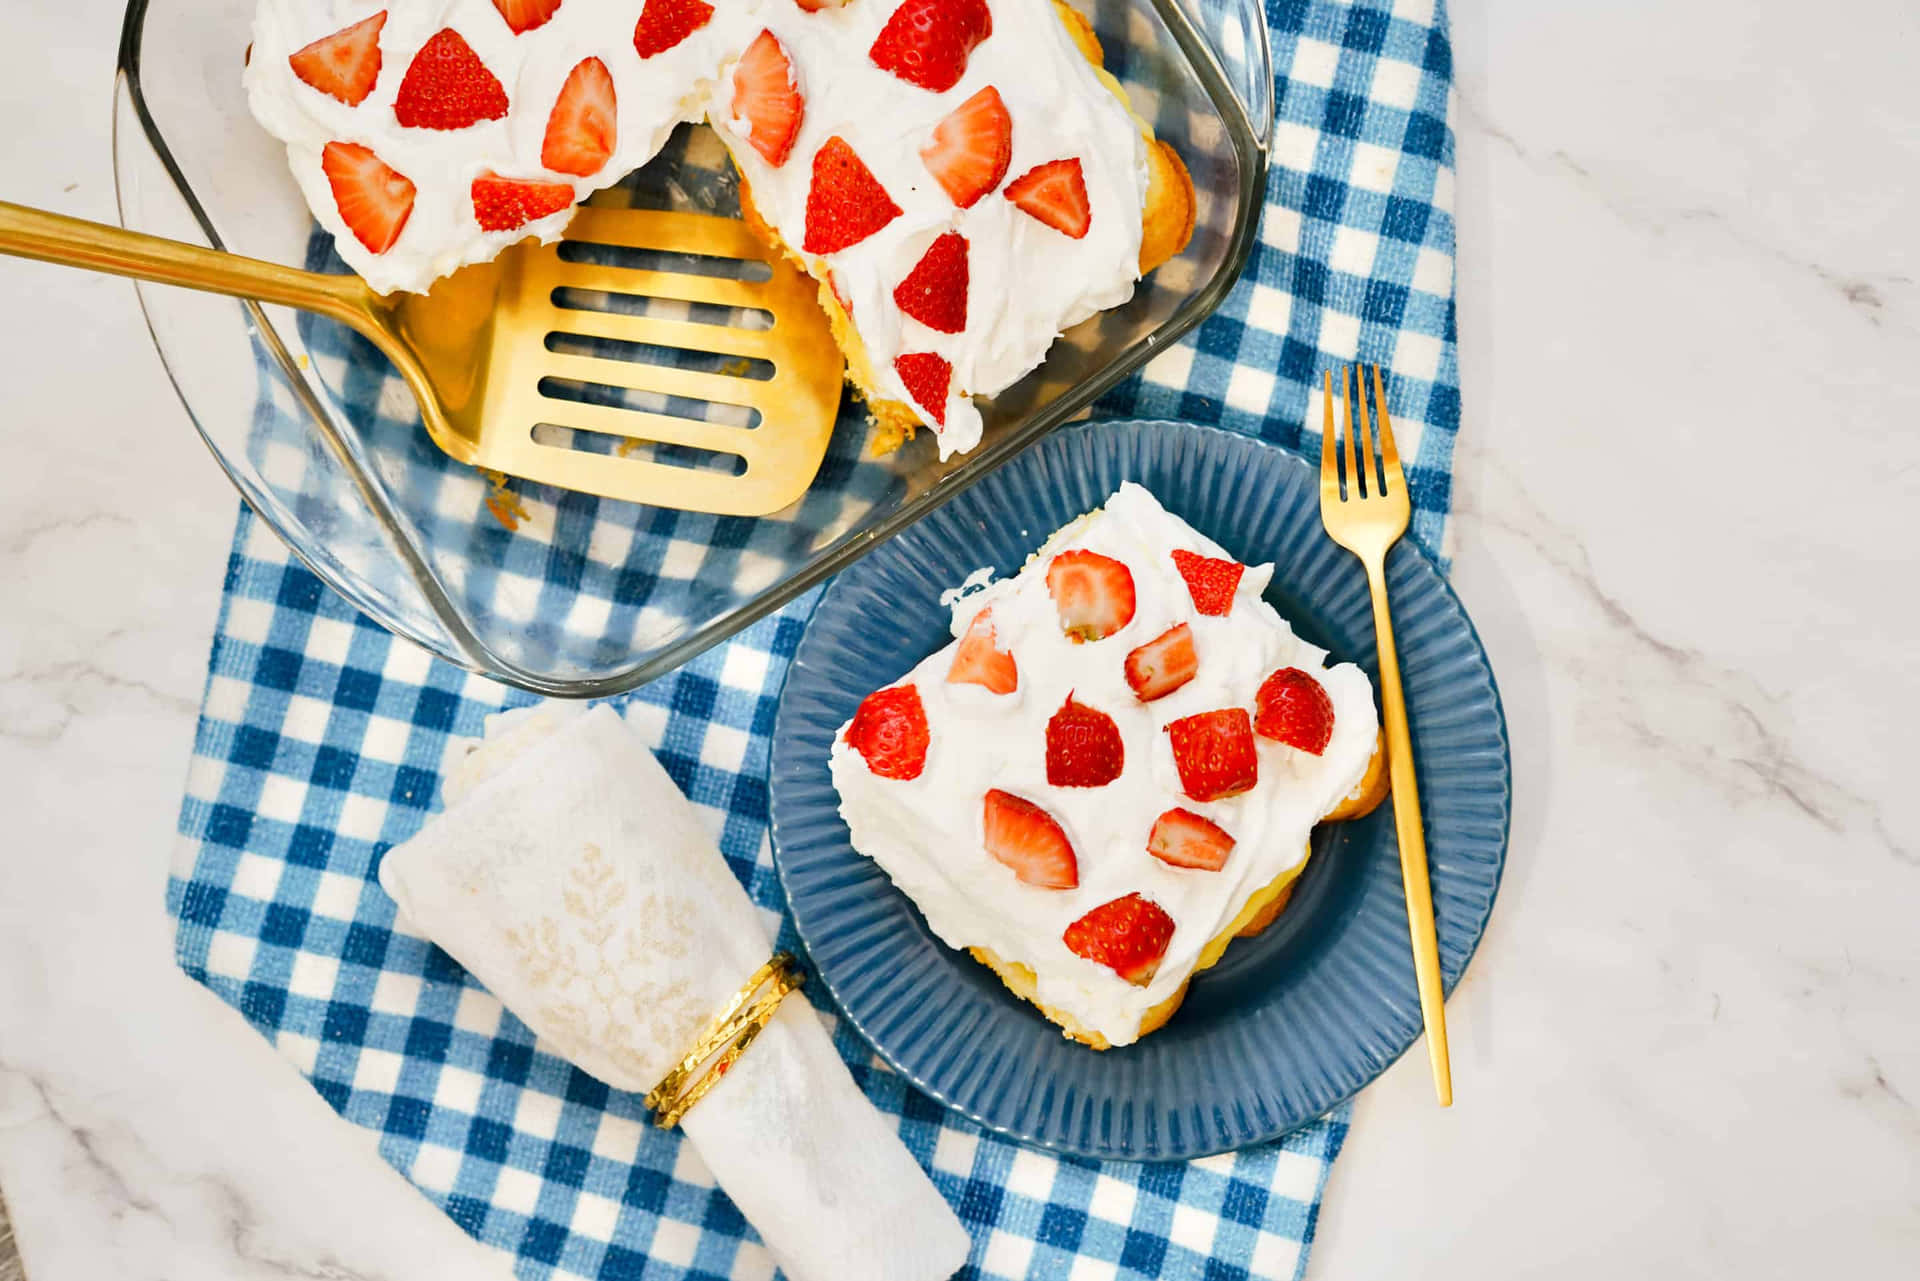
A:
{"x": 75, "y": 242}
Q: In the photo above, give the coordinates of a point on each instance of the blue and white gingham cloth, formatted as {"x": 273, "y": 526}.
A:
{"x": 321, "y": 736}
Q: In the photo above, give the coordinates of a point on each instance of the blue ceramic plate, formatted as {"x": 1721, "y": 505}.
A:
{"x": 1290, "y": 1023}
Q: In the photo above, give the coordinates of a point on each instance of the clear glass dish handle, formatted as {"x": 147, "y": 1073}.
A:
{"x": 1235, "y": 34}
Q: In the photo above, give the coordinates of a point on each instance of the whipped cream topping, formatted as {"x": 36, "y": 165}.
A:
{"x": 1028, "y": 282}
{"x": 442, "y": 233}
{"x": 927, "y": 832}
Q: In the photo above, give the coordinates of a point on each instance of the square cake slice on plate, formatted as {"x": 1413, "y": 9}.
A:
{"x": 1111, "y": 771}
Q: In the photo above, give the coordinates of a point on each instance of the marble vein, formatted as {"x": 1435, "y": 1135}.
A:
{"x": 1865, "y": 292}
{"x": 116, "y": 1178}
{"x": 1756, "y": 747}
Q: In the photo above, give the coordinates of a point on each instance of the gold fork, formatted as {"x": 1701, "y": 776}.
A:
{"x": 1367, "y": 517}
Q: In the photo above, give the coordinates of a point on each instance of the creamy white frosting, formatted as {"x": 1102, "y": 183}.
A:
{"x": 1028, "y": 281}
{"x": 927, "y": 832}
{"x": 441, "y": 233}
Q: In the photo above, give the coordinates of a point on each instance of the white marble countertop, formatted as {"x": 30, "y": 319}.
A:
{"x": 1686, "y": 493}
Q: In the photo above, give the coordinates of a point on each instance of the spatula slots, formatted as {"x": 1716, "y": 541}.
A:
{"x": 707, "y": 381}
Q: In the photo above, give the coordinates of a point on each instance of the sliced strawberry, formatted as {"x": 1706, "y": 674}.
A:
{"x": 969, "y": 151}
{"x": 1210, "y": 581}
{"x": 1183, "y": 838}
{"x": 374, "y": 200}
{"x": 345, "y": 64}
{"x": 926, "y": 42}
{"x": 766, "y": 94}
{"x": 1163, "y": 664}
{"x": 890, "y": 731}
{"x": 845, "y": 203}
{"x": 585, "y": 123}
{"x": 1093, "y": 593}
{"x": 1027, "y": 839}
{"x": 665, "y": 23}
{"x": 1293, "y": 708}
{"x": 524, "y": 15}
{"x": 1083, "y": 747}
{"x": 977, "y": 660}
{"x": 929, "y": 378}
{"x": 1056, "y": 194}
{"x": 935, "y": 291}
{"x": 815, "y": 6}
{"x": 448, "y": 87}
{"x": 1214, "y": 753}
{"x": 1128, "y": 935}
{"x": 501, "y": 204}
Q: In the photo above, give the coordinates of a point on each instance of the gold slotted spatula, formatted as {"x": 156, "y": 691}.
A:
{"x": 518, "y": 362}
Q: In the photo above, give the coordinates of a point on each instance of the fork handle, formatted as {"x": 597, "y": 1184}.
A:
{"x": 1413, "y": 839}
{"x": 96, "y": 246}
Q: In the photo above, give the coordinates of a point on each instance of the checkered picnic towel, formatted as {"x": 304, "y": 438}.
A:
{"x": 321, "y": 736}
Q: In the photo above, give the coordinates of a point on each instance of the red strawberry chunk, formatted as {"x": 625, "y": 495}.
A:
{"x": 345, "y": 64}
{"x": 815, "y": 6}
{"x": 1083, "y": 747}
{"x": 665, "y": 23}
{"x": 585, "y": 123}
{"x": 1028, "y": 839}
{"x": 524, "y": 15}
{"x": 926, "y": 42}
{"x": 1210, "y": 581}
{"x": 1293, "y": 708}
{"x": 766, "y": 94}
{"x": 845, "y": 203}
{"x": 373, "y": 199}
{"x": 890, "y": 731}
{"x": 1163, "y": 664}
{"x": 1056, "y": 194}
{"x": 1183, "y": 838}
{"x": 935, "y": 291}
{"x": 501, "y": 204}
{"x": 978, "y": 661}
{"x": 929, "y": 378}
{"x": 969, "y": 151}
{"x": 1128, "y": 935}
{"x": 448, "y": 87}
{"x": 1214, "y": 753}
{"x": 1093, "y": 593}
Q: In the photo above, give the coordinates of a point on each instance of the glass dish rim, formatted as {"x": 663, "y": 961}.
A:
{"x": 1248, "y": 139}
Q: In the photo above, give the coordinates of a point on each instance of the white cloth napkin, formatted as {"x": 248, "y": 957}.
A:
{"x": 571, "y": 877}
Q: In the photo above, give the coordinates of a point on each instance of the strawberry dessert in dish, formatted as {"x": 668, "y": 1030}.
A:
{"x": 965, "y": 182}
{"x": 961, "y": 177}
{"x": 429, "y": 134}
{"x": 1112, "y": 771}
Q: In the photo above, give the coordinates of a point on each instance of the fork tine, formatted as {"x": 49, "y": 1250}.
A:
{"x": 1390, "y": 456}
{"x": 1369, "y": 461}
{"x": 1354, "y": 488}
{"x": 1329, "y": 444}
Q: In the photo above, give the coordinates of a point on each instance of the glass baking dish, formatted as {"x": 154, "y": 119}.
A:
{"x": 563, "y": 593}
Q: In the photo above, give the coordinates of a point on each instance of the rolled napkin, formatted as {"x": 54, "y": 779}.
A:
{"x": 570, "y": 876}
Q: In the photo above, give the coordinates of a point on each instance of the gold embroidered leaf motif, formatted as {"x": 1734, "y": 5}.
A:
{"x": 541, "y": 953}
{"x": 608, "y": 995}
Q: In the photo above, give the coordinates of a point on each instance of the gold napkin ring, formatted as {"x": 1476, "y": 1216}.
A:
{"x": 730, "y": 1033}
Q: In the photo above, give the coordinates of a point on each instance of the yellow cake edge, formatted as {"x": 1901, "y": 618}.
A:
{"x": 1262, "y": 909}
